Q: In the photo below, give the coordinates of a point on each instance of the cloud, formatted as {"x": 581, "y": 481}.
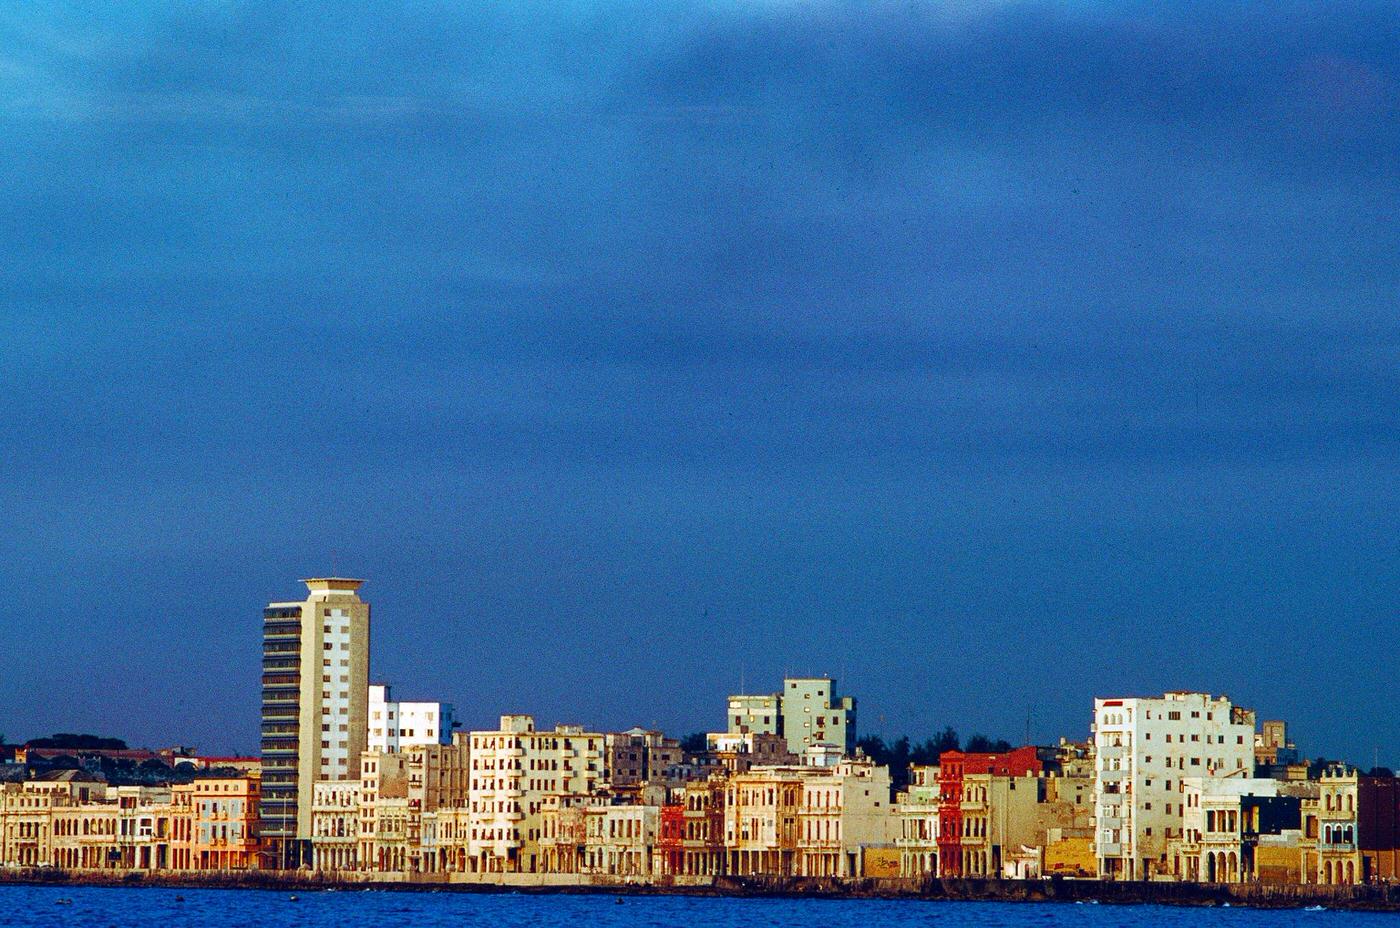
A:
{"x": 971, "y": 315}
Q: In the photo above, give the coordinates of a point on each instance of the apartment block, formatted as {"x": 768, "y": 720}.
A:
{"x": 314, "y": 709}
{"x": 807, "y": 712}
{"x": 397, "y": 724}
{"x": 1146, "y": 748}
{"x": 513, "y": 771}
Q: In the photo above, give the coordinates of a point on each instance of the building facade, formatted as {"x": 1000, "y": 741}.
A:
{"x": 314, "y": 706}
{"x": 396, "y": 724}
{"x": 1145, "y": 748}
{"x": 513, "y": 770}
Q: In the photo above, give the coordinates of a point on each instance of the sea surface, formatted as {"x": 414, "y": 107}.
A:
{"x": 104, "y": 907}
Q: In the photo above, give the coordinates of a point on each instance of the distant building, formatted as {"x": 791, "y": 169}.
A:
{"x": 976, "y": 794}
{"x": 395, "y": 724}
{"x": 314, "y": 703}
{"x": 1145, "y": 748}
{"x": 761, "y": 715}
{"x": 807, "y": 712}
{"x": 225, "y": 818}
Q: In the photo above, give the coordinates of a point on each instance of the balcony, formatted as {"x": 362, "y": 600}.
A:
{"x": 1110, "y": 821}
{"x": 1112, "y": 752}
{"x": 1110, "y": 850}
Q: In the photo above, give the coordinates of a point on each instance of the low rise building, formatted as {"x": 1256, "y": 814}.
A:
{"x": 1223, "y": 823}
{"x": 917, "y": 810}
{"x": 1145, "y": 747}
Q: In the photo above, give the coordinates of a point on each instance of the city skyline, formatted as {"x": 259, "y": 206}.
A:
{"x": 724, "y": 708}
{"x": 986, "y": 357}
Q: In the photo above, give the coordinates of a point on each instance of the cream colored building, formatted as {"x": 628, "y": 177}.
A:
{"x": 845, "y": 809}
{"x": 619, "y": 840}
{"x": 335, "y": 826}
{"x": 1338, "y": 854}
{"x": 314, "y": 708}
{"x": 1227, "y": 821}
{"x": 917, "y": 813}
{"x": 761, "y": 808}
{"x": 513, "y": 770}
{"x": 1145, "y": 748}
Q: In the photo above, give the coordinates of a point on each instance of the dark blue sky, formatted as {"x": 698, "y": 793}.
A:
{"x": 985, "y": 355}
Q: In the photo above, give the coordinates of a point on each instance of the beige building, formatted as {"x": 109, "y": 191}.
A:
{"x": 513, "y": 770}
{"x": 619, "y": 840}
{"x": 1338, "y": 854}
{"x": 314, "y": 708}
{"x": 1224, "y": 821}
{"x": 845, "y": 810}
{"x": 916, "y": 810}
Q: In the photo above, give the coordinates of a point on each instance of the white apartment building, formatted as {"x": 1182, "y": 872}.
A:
{"x": 1145, "y": 748}
{"x": 395, "y": 725}
{"x": 513, "y": 770}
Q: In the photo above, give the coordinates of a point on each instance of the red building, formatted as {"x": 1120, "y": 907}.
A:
{"x": 953, "y": 767}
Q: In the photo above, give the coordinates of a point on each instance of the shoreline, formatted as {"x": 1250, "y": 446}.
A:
{"x": 1371, "y": 898}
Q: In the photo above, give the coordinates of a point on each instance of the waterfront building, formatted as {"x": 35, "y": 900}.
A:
{"x": 917, "y": 810}
{"x": 699, "y": 850}
{"x": 761, "y": 808}
{"x": 335, "y": 825}
{"x": 314, "y": 705}
{"x": 223, "y": 834}
{"x": 1145, "y": 748}
{"x": 1358, "y": 827}
{"x": 619, "y": 840}
{"x": 396, "y": 724}
{"x": 564, "y": 831}
{"x": 399, "y": 791}
{"x": 1224, "y": 822}
{"x": 513, "y": 770}
{"x": 845, "y": 810}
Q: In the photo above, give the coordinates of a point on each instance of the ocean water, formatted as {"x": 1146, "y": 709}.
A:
{"x": 103, "y": 907}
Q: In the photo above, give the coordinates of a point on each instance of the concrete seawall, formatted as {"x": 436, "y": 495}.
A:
{"x": 1257, "y": 895}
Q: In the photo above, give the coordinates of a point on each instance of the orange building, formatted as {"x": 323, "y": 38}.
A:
{"x": 224, "y": 832}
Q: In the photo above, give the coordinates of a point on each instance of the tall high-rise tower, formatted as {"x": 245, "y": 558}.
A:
{"x": 314, "y": 702}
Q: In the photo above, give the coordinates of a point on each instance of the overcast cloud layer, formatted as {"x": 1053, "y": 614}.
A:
{"x": 989, "y": 356}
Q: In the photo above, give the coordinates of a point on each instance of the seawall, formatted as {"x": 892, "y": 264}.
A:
{"x": 1384, "y": 897}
